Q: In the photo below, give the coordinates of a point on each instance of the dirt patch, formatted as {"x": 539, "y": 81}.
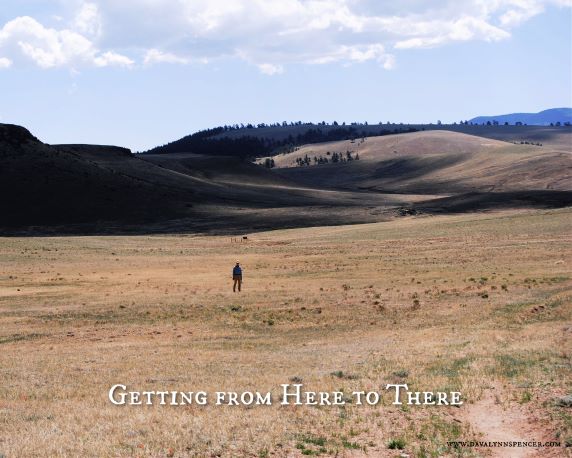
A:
{"x": 496, "y": 421}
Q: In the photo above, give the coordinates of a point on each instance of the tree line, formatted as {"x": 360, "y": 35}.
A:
{"x": 214, "y": 142}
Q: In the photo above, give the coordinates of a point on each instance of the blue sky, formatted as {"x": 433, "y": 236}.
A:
{"x": 139, "y": 73}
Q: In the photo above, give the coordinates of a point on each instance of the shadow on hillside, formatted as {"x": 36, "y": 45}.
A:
{"x": 482, "y": 201}
{"x": 222, "y": 221}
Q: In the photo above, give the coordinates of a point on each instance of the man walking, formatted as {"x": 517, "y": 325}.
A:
{"x": 237, "y": 277}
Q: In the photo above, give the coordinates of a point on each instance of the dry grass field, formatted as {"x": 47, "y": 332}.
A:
{"x": 436, "y": 161}
{"x": 477, "y": 303}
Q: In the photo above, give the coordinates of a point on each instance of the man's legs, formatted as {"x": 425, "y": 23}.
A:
{"x": 234, "y": 285}
{"x": 239, "y": 284}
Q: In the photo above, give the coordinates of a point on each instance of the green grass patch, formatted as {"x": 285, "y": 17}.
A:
{"x": 512, "y": 366}
{"x": 20, "y": 337}
{"x": 344, "y": 375}
{"x": 351, "y": 445}
{"x": 314, "y": 440}
{"x": 558, "y": 279}
{"x": 310, "y": 445}
{"x": 121, "y": 315}
{"x": 513, "y": 308}
{"x": 450, "y": 368}
{"x": 555, "y": 303}
{"x": 396, "y": 444}
{"x": 435, "y": 432}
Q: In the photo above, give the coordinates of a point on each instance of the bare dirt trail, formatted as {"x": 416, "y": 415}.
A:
{"x": 500, "y": 423}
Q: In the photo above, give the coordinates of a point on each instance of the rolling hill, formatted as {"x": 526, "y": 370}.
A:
{"x": 105, "y": 189}
{"x": 437, "y": 162}
{"x": 264, "y": 140}
{"x": 74, "y": 185}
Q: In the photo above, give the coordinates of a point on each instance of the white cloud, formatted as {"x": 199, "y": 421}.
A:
{"x": 358, "y": 54}
{"x": 274, "y": 33}
{"x": 155, "y": 56}
{"x": 54, "y": 48}
{"x": 389, "y": 62}
{"x": 463, "y": 29}
{"x": 5, "y": 62}
{"x": 271, "y": 69}
{"x": 269, "y": 34}
{"x": 111, "y": 58}
{"x": 88, "y": 20}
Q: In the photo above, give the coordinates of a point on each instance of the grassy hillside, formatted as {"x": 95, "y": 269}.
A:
{"x": 559, "y": 138}
{"x": 95, "y": 189}
{"x": 221, "y": 169}
{"x": 432, "y": 162}
{"x": 86, "y": 189}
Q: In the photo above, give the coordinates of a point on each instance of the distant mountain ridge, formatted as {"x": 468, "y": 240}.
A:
{"x": 542, "y": 118}
{"x": 260, "y": 140}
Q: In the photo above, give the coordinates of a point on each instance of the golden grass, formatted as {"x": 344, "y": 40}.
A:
{"x": 422, "y": 143}
{"x": 457, "y": 303}
{"x": 435, "y": 161}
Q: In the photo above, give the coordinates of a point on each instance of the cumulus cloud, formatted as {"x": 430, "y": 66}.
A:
{"x": 54, "y": 48}
{"x": 269, "y": 34}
